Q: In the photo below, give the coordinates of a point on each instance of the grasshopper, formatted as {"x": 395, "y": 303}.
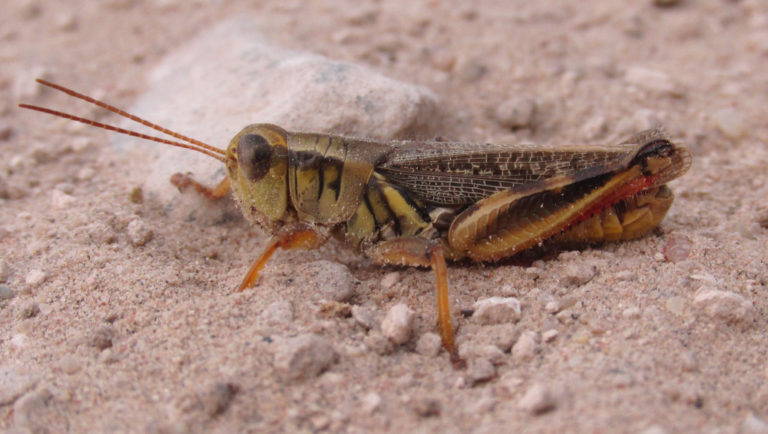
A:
{"x": 420, "y": 203}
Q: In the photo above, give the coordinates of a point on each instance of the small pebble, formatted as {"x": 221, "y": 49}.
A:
{"x": 304, "y": 356}
{"x": 516, "y": 113}
{"x": 666, "y": 3}
{"x": 30, "y": 309}
{"x": 6, "y": 293}
{"x": 398, "y": 324}
{"x": 370, "y": 403}
{"x": 6, "y": 131}
{"x": 379, "y": 344}
{"x": 108, "y": 357}
{"x": 429, "y": 345}
{"x": 644, "y": 119}
{"x": 753, "y": 424}
{"x": 652, "y": 80}
{"x": 654, "y": 429}
{"x": 13, "y": 384}
{"x": 34, "y": 277}
{"x": 689, "y": 361}
{"x": 556, "y": 306}
{"x": 470, "y": 70}
{"x": 730, "y": 123}
{"x": 277, "y": 313}
{"x": 80, "y": 144}
{"x": 136, "y": 195}
{"x": 24, "y": 85}
{"x": 538, "y": 399}
{"x": 724, "y": 305}
{"x": 675, "y": 304}
{"x": 763, "y": 221}
{"x": 503, "y": 336}
{"x": 61, "y": 200}
{"x": 139, "y": 233}
{"x": 30, "y": 409}
{"x": 329, "y": 280}
{"x": 101, "y": 337}
{"x": 626, "y": 276}
{"x": 66, "y": 21}
{"x": 389, "y": 280}
{"x": 480, "y": 370}
{"x": 594, "y": 128}
{"x": 581, "y": 336}
{"x": 425, "y": 406}
{"x": 631, "y": 312}
{"x": 85, "y": 173}
{"x": 68, "y": 364}
{"x": 677, "y": 247}
{"x": 480, "y": 350}
{"x": 549, "y": 335}
{"x": 497, "y": 310}
{"x": 576, "y": 275}
{"x": 65, "y": 187}
{"x": 216, "y": 399}
{"x": 552, "y": 307}
{"x": 364, "y": 317}
{"x": 526, "y": 347}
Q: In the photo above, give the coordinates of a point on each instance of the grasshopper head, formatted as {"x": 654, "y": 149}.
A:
{"x": 257, "y": 165}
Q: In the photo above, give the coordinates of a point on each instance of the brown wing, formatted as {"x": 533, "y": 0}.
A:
{"x": 455, "y": 174}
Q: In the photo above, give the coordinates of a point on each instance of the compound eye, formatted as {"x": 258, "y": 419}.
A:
{"x": 254, "y": 156}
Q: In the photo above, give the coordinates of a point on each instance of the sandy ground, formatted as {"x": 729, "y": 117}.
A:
{"x": 105, "y": 327}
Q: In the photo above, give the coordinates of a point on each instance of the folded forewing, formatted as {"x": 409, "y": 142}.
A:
{"x": 456, "y": 173}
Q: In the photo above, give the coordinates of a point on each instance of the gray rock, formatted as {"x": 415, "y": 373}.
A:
{"x": 326, "y": 280}
{"x": 304, "y": 357}
{"x": 6, "y": 292}
{"x": 364, "y": 317}
{"x": 232, "y": 76}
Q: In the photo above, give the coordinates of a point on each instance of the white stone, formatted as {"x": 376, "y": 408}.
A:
{"x": 652, "y": 80}
{"x": 497, "y": 310}
{"x": 526, "y": 347}
{"x": 398, "y": 324}
{"x": 537, "y": 399}
{"x": 724, "y": 305}
{"x": 61, "y": 200}
{"x": 232, "y": 76}
{"x": 730, "y": 123}
{"x": 35, "y": 277}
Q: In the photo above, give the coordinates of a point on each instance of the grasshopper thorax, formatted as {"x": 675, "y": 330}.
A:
{"x": 257, "y": 165}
